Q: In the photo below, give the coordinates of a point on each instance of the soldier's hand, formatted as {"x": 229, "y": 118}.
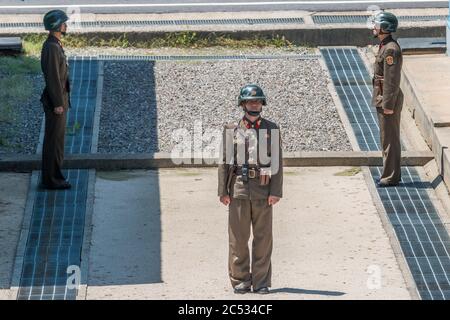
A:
{"x": 388, "y": 111}
{"x": 58, "y": 110}
{"x": 273, "y": 200}
{"x": 226, "y": 200}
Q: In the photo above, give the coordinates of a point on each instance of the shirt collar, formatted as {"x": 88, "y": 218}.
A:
{"x": 386, "y": 40}
{"x": 53, "y": 38}
{"x": 248, "y": 124}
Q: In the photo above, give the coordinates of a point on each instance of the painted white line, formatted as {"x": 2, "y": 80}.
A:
{"x": 214, "y": 4}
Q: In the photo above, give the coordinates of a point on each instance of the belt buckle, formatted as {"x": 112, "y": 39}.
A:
{"x": 251, "y": 173}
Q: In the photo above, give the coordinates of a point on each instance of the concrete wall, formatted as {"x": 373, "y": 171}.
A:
{"x": 310, "y": 36}
{"x": 448, "y": 30}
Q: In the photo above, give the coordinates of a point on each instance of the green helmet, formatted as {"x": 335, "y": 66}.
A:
{"x": 251, "y": 92}
{"x": 54, "y": 19}
{"x": 387, "y": 21}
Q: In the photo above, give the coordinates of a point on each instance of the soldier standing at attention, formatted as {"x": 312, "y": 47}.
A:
{"x": 250, "y": 183}
{"x": 55, "y": 100}
{"x": 388, "y": 97}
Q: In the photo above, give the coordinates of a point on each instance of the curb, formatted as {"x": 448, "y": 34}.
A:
{"x": 26, "y": 163}
{"x": 329, "y": 36}
{"x": 427, "y": 128}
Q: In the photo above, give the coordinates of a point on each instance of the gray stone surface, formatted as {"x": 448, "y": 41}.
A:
{"x": 21, "y": 133}
{"x": 298, "y": 99}
{"x": 128, "y": 115}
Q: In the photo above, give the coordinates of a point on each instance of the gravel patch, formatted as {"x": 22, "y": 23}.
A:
{"x": 21, "y": 134}
{"x": 95, "y": 51}
{"x": 298, "y": 100}
{"x": 206, "y": 91}
{"x": 128, "y": 115}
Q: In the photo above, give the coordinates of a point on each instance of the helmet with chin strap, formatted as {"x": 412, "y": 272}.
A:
{"x": 54, "y": 19}
{"x": 251, "y": 92}
{"x": 386, "y": 21}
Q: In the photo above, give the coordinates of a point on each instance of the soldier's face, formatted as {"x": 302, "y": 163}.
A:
{"x": 375, "y": 31}
{"x": 63, "y": 29}
{"x": 254, "y": 105}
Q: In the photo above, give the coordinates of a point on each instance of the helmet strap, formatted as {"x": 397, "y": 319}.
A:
{"x": 251, "y": 113}
{"x": 62, "y": 33}
{"x": 380, "y": 33}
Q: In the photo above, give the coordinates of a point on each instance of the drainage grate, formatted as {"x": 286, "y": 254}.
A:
{"x": 12, "y": 25}
{"x": 331, "y": 19}
{"x": 423, "y": 18}
{"x": 318, "y": 19}
{"x": 56, "y": 229}
{"x": 198, "y": 22}
{"x": 362, "y": 19}
{"x": 422, "y": 235}
{"x": 203, "y": 57}
{"x": 138, "y": 23}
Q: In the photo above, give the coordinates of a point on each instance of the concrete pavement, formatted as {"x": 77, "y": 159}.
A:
{"x": 425, "y": 83}
{"x": 153, "y": 241}
{"x": 13, "y": 194}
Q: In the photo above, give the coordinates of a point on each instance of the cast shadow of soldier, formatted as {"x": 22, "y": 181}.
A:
{"x": 126, "y": 241}
{"x": 308, "y": 292}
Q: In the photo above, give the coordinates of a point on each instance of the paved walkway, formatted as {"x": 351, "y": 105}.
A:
{"x": 13, "y": 194}
{"x": 153, "y": 241}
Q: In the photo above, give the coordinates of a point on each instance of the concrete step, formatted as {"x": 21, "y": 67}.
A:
{"x": 425, "y": 82}
{"x": 423, "y": 45}
{"x": 26, "y": 163}
{"x": 297, "y": 26}
{"x": 8, "y": 44}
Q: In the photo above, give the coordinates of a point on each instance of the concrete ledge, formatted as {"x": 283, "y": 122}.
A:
{"x": 10, "y": 44}
{"x": 422, "y": 45}
{"x": 26, "y": 163}
{"x": 328, "y": 35}
{"x": 426, "y": 96}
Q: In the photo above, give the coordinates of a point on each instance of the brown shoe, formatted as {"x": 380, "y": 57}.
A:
{"x": 382, "y": 184}
{"x": 263, "y": 290}
{"x": 241, "y": 289}
{"x": 61, "y": 186}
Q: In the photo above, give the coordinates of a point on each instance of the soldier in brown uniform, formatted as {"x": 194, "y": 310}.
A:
{"x": 55, "y": 100}
{"x": 388, "y": 97}
{"x": 250, "y": 183}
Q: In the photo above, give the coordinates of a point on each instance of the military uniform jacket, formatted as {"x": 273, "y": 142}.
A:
{"x": 387, "y": 74}
{"x": 56, "y": 73}
{"x": 231, "y": 183}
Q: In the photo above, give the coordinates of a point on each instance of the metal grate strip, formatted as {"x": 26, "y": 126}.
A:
{"x": 331, "y": 19}
{"x": 317, "y": 19}
{"x": 137, "y": 23}
{"x": 361, "y": 19}
{"x": 57, "y": 223}
{"x": 202, "y": 57}
{"x": 422, "y": 235}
